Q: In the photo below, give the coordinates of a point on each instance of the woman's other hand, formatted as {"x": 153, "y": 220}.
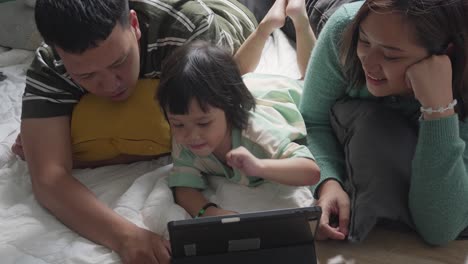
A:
{"x": 334, "y": 201}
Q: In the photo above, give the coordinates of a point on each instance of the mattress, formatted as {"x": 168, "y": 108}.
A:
{"x": 138, "y": 191}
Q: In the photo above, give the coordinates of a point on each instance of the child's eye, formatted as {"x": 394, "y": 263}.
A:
{"x": 178, "y": 125}
{"x": 204, "y": 124}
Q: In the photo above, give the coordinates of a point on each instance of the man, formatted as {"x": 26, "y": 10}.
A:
{"x": 95, "y": 54}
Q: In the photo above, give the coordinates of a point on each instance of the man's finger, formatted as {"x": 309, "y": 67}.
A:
{"x": 162, "y": 254}
{"x": 167, "y": 244}
{"x": 18, "y": 150}
{"x": 18, "y": 140}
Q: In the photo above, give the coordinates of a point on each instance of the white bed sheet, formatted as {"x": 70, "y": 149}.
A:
{"x": 30, "y": 234}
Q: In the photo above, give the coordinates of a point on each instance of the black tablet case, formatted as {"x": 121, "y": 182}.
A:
{"x": 279, "y": 236}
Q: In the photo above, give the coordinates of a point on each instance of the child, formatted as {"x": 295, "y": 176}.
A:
{"x": 217, "y": 128}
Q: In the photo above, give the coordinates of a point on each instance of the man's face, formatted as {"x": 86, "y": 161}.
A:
{"x": 111, "y": 69}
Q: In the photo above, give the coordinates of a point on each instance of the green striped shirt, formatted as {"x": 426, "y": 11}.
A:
{"x": 165, "y": 25}
{"x": 270, "y": 134}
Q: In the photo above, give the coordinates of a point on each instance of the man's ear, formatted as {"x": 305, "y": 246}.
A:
{"x": 133, "y": 19}
{"x": 449, "y": 50}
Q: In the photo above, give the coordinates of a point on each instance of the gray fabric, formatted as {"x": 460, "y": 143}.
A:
{"x": 258, "y": 8}
{"x": 18, "y": 28}
{"x": 379, "y": 145}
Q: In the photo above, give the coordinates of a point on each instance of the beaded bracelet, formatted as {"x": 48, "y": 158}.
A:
{"x": 203, "y": 210}
{"x": 429, "y": 110}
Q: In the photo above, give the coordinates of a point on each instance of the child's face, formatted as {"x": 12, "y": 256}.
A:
{"x": 201, "y": 132}
{"x": 387, "y": 47}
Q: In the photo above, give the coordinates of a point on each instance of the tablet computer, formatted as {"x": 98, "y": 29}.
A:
{"x": 276, "y": 236}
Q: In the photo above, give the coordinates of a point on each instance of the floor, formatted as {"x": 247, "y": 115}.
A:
{"x": 385, "y": 246}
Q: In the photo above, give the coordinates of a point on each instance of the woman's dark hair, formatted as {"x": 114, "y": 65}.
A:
{"x": 436, "y": 23}
{"x": 77, "y": 25}
{"x": 207, "y": 73}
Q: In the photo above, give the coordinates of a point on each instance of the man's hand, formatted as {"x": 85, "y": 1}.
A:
{"x": 17, "y": 147}
{"x": 143, "y": 246}
{"x": 334, "y": 202}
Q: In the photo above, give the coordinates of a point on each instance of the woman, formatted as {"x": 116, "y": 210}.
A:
{"x": 407, "y": 58}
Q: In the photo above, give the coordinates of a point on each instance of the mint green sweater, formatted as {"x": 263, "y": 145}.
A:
{"x": 438, "y": 198}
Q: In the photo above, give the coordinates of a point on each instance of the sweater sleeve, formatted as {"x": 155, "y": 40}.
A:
{"x": 438, "y": 195}
{"x": 323, "y": 85}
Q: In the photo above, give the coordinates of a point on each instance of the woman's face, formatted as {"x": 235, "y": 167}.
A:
{"x": 387, "y": 47}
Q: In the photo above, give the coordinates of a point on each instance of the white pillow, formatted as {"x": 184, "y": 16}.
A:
{"x": 18, "y": 28}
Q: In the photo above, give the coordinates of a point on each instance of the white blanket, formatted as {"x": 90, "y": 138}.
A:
{"x": 30, "y": 234}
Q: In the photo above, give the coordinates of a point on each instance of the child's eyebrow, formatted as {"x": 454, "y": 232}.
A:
{"x": 196, "y": 118}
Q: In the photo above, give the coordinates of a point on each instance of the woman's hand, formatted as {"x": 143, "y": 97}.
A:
{"x": 431, "y": 81}
{"x": 334, "y": 201}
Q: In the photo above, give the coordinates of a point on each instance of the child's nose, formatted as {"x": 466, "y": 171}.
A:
{"x": 193, "y": 134}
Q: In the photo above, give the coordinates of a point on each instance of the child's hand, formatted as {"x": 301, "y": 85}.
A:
{"x": 241, "y": 159}
{"x": 431, "y": 81}
{"x": 214, "y": 211}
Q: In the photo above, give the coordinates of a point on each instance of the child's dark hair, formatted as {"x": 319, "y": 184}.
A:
{"x": 207, "y": 73}
{"x": 77, "y": 25}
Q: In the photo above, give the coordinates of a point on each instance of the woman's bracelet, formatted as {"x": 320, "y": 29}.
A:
{"x": 203, "y": 210}
{"x": 429, "y": 110}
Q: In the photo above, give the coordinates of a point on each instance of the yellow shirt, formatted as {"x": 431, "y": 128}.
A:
{"x": 102, "y": 129}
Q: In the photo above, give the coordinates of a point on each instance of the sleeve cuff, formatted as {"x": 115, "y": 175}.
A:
{"x": 441, "y": 131}
{"x": 179, "y": 180}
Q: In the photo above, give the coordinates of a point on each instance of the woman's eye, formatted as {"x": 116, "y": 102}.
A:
{"x": 390, "y": 58}
{"x": 177, "y": 125}
{"x": 364, "y": 42}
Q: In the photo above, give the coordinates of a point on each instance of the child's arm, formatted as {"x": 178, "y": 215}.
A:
{"x": 295, "y": 171}
{"x": 192, "y": 200}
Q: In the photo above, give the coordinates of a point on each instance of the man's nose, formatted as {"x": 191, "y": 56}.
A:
{"x": 112, "y": 83}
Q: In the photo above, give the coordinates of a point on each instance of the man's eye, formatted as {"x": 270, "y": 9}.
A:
{"x": 86, "y": 77}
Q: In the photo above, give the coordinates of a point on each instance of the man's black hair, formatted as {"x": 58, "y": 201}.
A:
{"x": 78, "y": 25}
